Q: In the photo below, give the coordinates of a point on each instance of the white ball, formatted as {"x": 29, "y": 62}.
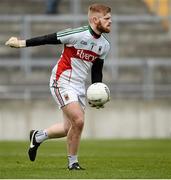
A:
{"x": 98, "y": 93}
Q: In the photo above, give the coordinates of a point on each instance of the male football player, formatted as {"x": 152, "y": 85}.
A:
{"x": 85, "y": 48}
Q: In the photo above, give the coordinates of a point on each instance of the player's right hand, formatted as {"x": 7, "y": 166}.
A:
{"x": 15, "y": 43}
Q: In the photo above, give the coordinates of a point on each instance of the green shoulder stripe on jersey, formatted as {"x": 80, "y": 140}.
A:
{"x": 106, "y": 37}
{"x": 66, "y": 32}
{"x": 71, "y": 31}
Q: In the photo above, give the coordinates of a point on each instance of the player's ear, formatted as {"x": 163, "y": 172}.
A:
{"x": 95, "y": 19}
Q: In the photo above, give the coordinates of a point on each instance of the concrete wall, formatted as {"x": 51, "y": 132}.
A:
{"x": 119, "y": 119}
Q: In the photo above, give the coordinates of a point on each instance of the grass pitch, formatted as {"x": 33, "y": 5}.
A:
{"x": 102, "y": 159}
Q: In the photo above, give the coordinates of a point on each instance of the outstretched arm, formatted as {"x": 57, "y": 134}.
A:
{"x": 37, "y": 41}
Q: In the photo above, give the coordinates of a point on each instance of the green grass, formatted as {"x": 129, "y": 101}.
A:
{"x": 102, "y": 159}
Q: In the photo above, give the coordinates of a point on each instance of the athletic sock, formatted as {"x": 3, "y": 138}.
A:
{"x": 72, "y": 159}
{"x": 41, "y": 136}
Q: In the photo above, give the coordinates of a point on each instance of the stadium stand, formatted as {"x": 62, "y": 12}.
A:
{"x": 138, "y": 34}
{"x": 65, "y": 7}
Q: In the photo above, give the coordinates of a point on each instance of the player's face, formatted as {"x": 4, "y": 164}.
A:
{"x": 104, "y": 23}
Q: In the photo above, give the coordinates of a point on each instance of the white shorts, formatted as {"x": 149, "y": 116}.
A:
{"x": 65, "y": 94}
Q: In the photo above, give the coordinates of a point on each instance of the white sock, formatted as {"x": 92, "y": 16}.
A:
{"x": 72, "y": 159}
{"x": 41, "y": 136}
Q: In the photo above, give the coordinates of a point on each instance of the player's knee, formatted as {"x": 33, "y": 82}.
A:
{"x": 79, "y": 123}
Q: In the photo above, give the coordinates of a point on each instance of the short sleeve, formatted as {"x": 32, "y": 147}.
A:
{"x": 68, "y": 36}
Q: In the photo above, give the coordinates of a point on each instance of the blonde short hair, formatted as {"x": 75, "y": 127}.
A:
{"x": 98, "y": 8}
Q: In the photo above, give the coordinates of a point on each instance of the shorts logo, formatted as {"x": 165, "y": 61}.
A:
{"x": 66, "y": 97}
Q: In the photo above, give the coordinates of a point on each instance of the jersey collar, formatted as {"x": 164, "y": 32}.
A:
{"x": 95, "y": 35}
